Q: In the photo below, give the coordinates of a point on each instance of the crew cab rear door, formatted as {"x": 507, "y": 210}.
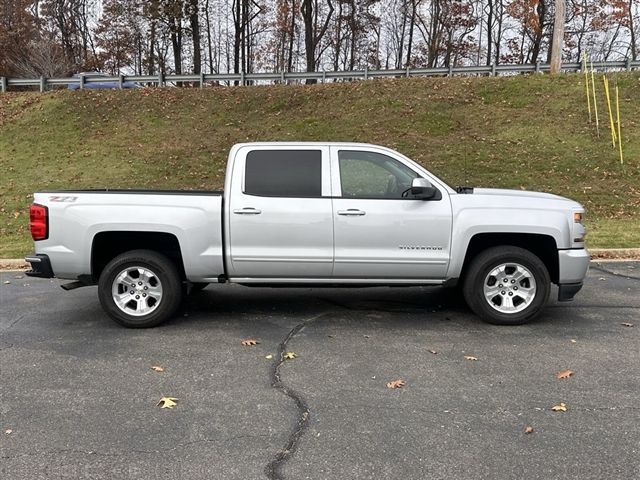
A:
{"x": 279, "y": 215}
{"x": 380, "y": 231}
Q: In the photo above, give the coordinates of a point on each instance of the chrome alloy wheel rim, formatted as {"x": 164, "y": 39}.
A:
{"x": 509, "y": 288}
{"x": 136, "y": 291}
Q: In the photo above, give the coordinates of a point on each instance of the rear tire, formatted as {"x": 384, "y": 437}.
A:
{"x": 140, "y": 289}
{"x": 506, "y": 285}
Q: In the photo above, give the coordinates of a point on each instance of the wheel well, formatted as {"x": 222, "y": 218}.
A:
{"x": 108, "y": 245}
{"x": 543, "y": 246}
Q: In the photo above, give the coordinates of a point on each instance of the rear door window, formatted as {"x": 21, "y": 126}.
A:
{"x": 283, "y": 173}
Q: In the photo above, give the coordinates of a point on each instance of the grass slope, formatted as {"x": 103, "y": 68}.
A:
{"x": 518, "y": 132}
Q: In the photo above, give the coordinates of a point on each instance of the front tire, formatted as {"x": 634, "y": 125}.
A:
{"x": 507, "y": 285}
{"x": 140, "y": 289}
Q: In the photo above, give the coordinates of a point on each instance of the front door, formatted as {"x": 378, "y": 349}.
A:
{"x": 280, "y": 217}
{"x": 380, "y": 231}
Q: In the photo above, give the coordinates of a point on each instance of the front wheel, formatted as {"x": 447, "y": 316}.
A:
{"x": 140, "y": 289}
{"x": 507, "y": 285}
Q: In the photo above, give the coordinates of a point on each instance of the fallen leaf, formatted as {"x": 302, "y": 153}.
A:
{"x": 269, "y": 357}
{"x": 7, "y": 282}
{"x": 469, "y": 357}
{"x": 564, "y": 374}
{"x": 559, "y": 408}
{"x": 156, "y": 368}
{"x": 573, "y": 340}
{"x": 396, "y": 384}
{"x": 167, "y": 402}
{"x": 8, "y": 431}
{"x": 626, "y": 324}
{"x": 289, "y": 356}
{"x": 528, "y": 429}
{"x": 435, "y": 352}
{"x": 249, "y": 342}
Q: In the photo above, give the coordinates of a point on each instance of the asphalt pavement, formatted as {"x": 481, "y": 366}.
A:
{"x": 78, "y": 395}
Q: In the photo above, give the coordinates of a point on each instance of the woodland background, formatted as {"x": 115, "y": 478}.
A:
{"x": 60, "y": 37}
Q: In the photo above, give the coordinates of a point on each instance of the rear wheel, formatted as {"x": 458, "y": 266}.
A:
{"x": 507, "y": 285}
{"x": 140, "y": 289}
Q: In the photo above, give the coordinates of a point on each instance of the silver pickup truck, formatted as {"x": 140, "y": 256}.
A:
{"x": 312, "y": 214}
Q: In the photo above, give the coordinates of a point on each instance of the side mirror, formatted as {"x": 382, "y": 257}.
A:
{"x": 422, "y": 189}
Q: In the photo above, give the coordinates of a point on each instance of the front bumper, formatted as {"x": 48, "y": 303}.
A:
{"x": 40, "y": 266}
{"x": 573, "y": 265}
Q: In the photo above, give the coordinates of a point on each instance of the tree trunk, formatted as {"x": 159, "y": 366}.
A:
{"x": 411, "y": 25}
{"x": 194, "y": 22}
{"x": 490, "y": 31}
{"x": 541, "y": 11}
{"x": 557, "y": 40}
{"x": 634, "y": 51}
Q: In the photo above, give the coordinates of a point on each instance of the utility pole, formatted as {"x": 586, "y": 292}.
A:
{"x": 558, "y": 37}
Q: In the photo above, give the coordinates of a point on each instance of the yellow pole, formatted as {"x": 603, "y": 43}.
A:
{"x": 618, "y": 115}
{"x": 595, "y": 105}
{"x": 586, "y": 82}
{"x": 606, "y": 92}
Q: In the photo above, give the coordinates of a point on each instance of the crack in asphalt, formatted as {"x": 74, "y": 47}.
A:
{"x": 273, "y": 468}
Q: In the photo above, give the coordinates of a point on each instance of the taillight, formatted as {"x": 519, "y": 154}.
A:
{"x": 39, "y": 222}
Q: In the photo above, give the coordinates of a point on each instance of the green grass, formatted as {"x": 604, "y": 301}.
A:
{"x": 518, "y": 132}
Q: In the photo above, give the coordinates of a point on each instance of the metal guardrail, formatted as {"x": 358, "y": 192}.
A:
{"x": 322, "y": 76}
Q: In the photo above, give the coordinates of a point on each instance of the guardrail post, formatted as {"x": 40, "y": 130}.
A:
{"x": 407, "y": 72}
{"x": 43, "y": 84}
{"x": 242, "y": 78}
{"x": 282, "y": 77}
{"x": 537, "y": 66}
{"x": 366, "y": 72}
{"x": 324, "y": 76}
{"x": 81, "y": 82}
{"x": 3, "y": 84}
{"x": 628, "y": 64}
{"x": 120, "y": 81}
{"x": 201, "y": 80}
{"x": 450, "y": 74}
{"x": 493, "y": 70}
{"x": 160, "y": 79}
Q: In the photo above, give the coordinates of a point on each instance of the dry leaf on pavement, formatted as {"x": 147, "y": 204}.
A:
{"x": 157, "y": 368}
{"x": 396, "y": 384}
{"x": 560, "y": 408}
{"x": 268, "y": 357}
{"x": 167, "y": 402}
{"x": 627, "y": 324}
{"x": 564, "y": 374}
{"x": 469, "y": 357}
{"x": 435, "y": 352}
{"x": 528, "y": 429}
{"x": 289, "y": 356}
{"x": 249, "y": 342}
{"x": 8, "y": 431}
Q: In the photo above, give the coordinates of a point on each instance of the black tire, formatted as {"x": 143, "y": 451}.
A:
{"x": 493, "y": 310}
{"x": 161, "y": 271}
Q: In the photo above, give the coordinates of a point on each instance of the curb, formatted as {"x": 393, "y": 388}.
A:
{"x": 13, "y": 264}
{"x": 596, "y": 254}
{"x": 615, "y": 253}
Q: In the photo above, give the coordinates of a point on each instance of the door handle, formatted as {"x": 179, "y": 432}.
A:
{"x": 354, "y": 212}
{"x": 247, "y": 211}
